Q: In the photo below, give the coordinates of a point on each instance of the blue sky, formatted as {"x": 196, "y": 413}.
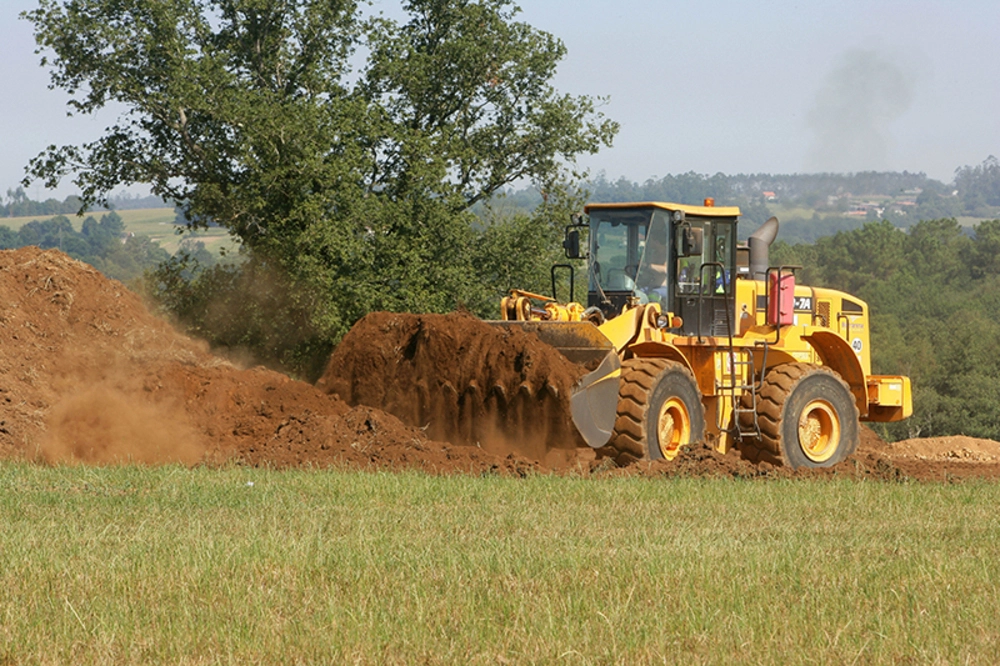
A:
{"x": 708, "y": 86}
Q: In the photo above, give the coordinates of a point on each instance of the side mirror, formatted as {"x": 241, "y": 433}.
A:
{"x": 572, "y": 244}
{"x": 692, "y": 241}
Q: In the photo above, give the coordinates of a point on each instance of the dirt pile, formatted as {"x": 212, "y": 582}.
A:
{"x": 947, "y": 449}
{"x": 946, "y": 458}
{"x": 87, "y": 374}
{"x": 64, "y": 330}
{"x": 460, "y": 378}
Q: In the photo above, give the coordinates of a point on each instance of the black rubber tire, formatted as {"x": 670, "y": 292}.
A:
{"x": 648, "y": 387}
{"x": 807, "y": 418}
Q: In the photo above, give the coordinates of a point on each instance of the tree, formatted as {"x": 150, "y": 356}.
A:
{"x": 538, "y": 236}
{"x": 356, "y": 182}
{"x": 8, "y": 239}
{"x": 979, "y": 186}
{"x": 852, "y": 260}
{"x": 984, "y": 256}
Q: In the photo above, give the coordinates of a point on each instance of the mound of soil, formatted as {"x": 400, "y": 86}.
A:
{"x": 946, "y": 458}
{"x": 462, "y": 379}
{"x": 947, "y": 449}
{"x": 88, "y": 374}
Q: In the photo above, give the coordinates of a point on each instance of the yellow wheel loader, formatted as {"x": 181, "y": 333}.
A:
{"x": 690, "y": 336}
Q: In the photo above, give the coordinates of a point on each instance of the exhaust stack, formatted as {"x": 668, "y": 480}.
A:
{"x": 760, "y": 241}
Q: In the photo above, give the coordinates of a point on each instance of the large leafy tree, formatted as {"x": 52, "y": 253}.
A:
{"x": 343, "y": 148}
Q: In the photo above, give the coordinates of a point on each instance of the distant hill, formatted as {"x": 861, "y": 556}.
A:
{"x": 809, "y": 206}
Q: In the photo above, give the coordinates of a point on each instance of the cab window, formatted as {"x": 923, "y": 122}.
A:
{"x": 699, "y": 273}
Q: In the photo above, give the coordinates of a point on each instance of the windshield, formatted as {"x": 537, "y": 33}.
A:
{"x": 651, "y": 278}
{"x": 616, "y": 241}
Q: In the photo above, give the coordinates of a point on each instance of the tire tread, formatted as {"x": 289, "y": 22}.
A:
{"x": 778, "y": 385}
{"x": 639, "y": 377}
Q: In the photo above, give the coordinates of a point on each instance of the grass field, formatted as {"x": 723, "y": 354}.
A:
{"x": 785, "y": 213}
{"x": 128, "y": 565}
{"x": 157, "y": 223}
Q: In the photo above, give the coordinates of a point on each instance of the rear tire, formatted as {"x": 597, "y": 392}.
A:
{"x": 807, "y": 418}
{"x": 659, "y": 411}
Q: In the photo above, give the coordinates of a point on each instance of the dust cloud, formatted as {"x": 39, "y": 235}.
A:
{"x": 853, "y": 112}
{"x": 102, "y": 424}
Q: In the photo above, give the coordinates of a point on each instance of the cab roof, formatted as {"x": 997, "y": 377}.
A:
{"x": 701, "y": 211}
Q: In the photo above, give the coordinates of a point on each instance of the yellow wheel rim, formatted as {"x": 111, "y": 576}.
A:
{"x": 673, "y": 427}
{"x": 819, "y": 431}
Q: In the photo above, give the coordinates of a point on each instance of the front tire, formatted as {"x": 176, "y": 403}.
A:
{"x": 659, "y": 411}
{"x": 807, "y": 418}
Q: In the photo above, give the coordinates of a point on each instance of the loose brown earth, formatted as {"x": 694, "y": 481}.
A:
{"x": 468, "y": 382}
{"x": 89, "y": 375}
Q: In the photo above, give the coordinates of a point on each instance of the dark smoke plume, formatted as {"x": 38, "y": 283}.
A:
{"x": 853, "y": 111}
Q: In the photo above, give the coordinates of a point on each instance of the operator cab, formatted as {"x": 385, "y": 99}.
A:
{"x": 682, "y": 257}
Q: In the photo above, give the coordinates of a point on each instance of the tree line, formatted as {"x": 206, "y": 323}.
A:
{"x": 18, "y": 204}
{"x": 975, "y": 193}
{"x": 102, "y": 243}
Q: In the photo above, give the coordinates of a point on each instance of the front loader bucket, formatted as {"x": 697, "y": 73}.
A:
{"x": 594, "y": 402}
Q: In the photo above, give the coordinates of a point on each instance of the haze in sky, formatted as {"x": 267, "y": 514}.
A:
{"x": 711, "y": 86}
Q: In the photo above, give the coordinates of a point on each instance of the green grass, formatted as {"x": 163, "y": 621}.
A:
{"x": 144, "y": 220}
{"x": 967, "y": 221}
{"x": 157, "y": 223}
{"x": 786, "y": 212}
{"x": 130, "y": 565}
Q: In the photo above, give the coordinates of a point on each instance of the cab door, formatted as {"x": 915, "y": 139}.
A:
{"x": 703, "y": 294}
